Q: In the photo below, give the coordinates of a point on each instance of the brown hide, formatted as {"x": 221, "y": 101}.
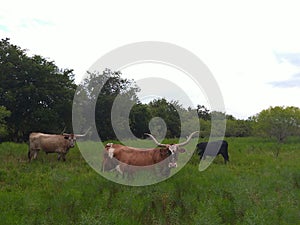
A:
{"x": 137, "y": 157}
{"x": 119, "y": 157}
{"x": 131, "y": 159}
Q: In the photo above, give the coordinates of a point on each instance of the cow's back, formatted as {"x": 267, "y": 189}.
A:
{"x": 47, "y": 142}
{"x": 135, "y": 156}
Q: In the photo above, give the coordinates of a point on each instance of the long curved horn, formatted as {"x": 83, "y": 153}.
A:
{"x": 188, "y": 139}
{"x": 156, "y": 142}
{"x": 63, "y": 130}
{"x": 82, "y": 135}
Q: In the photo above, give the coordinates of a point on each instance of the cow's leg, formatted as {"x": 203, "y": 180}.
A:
{"x": 225, "y": 156}
{"x": 200, "y": 153}
{"x": 154, "y": 170}
{"x": 103, "y": 165}
{"x": 130, "y": 171}
{"x": 58, "y": 156}
{"x": 64, "y": 157}
{"x": 120, "y": 170}
{"x": 29, "y": 155}
{"x": 166, "y": 171}
{"x": 126, "y": 170}
{"x": 202, "y": 156}
{"x": 35, "y": 154}
{"x": 117, "y": 173}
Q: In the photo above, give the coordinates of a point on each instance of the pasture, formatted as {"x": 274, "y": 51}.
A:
{"x": 255, "y": 187}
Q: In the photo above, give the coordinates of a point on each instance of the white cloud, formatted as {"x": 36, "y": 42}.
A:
{"x": 166, "y": 82}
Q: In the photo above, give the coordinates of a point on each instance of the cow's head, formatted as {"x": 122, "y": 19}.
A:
{"x": 71, "y": 138}
{"x": 173, "y": 149}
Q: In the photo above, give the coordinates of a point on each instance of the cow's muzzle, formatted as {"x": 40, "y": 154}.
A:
{"x": 172, "y": 165}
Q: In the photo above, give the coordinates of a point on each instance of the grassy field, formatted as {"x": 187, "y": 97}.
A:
{"x": 254, "y": 188}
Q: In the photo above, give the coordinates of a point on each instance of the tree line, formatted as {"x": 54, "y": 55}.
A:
{"x": 36, "y": 95}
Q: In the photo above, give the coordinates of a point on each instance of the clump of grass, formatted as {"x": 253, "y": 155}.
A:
{"x": 253, "y": 188}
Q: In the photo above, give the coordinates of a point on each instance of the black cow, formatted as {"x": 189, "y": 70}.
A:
{"x": 212, "y": 149}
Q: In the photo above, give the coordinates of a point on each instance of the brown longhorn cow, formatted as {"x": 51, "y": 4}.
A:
{"x": 125, "y": 159}
{"x": 52, "y": 143}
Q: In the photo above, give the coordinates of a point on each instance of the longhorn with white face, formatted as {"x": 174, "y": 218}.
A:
{"x": 173, "y": 148}
{"x": 128, "y": 159}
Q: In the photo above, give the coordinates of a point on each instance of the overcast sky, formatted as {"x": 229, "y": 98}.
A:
{"x": 252, "y": 48}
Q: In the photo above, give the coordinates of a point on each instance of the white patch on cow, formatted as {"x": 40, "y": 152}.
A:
{"x": 109, "y": 144}
{"x": 173, "y": 148}
{"x": 119, "y": 169}
{"x": 111, "y": 152}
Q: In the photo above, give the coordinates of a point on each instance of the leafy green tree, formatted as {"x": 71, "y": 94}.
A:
{"x": 168, "y": 112}
{"x": 217, "y": 123}
{"x": 205, "y": 128}
{"x": 279, "y": 122}
{"x": 38, "y": 93}
{"x": 4, "y": 113}
{"x": 238, "y": 128}
{"x": 140, "y": 117}
{"x": 203, "y": 112}
{"x": 189, "y": 121}
{"x": 101, "y": 90}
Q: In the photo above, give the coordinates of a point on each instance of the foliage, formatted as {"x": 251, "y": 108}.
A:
{"x": 38, "y": 93}
{"x": 203, "y": 112}
{"x": 140, "y": 117}
{"x": 168, "y": 112}
{"x": 238, "y": 128}
{"x": 254, "y": 188}
{"x": 4, "y": 113}
{"x": 189, "y": 121}
{"x": 97, "y": 94}
{"x": 205, "y": 128}
{"x": 163, "y": 119}
{"x": 278, "y": 122}
{"x": 39, "y": 97}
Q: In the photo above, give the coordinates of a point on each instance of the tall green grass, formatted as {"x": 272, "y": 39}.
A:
{"x": 256, "y": 187}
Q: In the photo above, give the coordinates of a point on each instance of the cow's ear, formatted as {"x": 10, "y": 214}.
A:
{"x": 181, "y": 150}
